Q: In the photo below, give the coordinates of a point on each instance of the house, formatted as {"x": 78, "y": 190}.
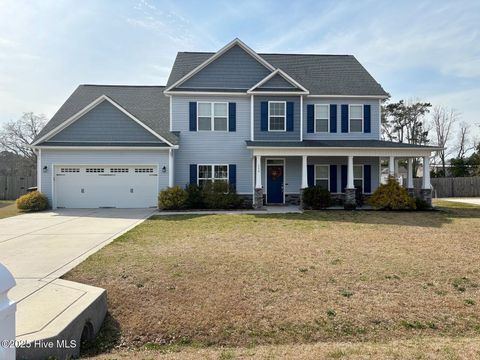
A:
{"x": 270, "y": 124}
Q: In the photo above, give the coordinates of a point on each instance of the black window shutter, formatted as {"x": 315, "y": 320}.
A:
{"x": 232, "y": 116}
{"x": 333, "y": 178}
{"x": 264, "y": 116}
{"x": 344, "y": 177}
{"x": 232, "y": 176}
{"x": 310, "y": 116}
{"x": 367, "y": 123}
{"x": 289, "y": 116}
{"x": 344, "y": 118}
{"x": 311, "y": 175}
{"x": 193, "y": 174}
{"x": 193, "y": 116}
{"x": 367, "y": 179}
{"x": 333, "y": 118}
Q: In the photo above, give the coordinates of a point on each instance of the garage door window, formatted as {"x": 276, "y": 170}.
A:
{"x": 144, "y": 170}
{"x": 69, "y": 170}
{"x": 119, "y": 170}
{"x": 95, "y": 170}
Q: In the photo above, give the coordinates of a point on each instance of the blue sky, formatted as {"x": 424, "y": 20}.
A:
{"x": 428, "y": 50}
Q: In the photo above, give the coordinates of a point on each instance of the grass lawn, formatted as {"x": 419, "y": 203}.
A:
{"x": 8, "y": 208}
{"x": 336, "y": 284}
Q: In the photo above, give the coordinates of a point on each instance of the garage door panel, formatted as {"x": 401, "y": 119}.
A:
{"x": 104, "y": 186}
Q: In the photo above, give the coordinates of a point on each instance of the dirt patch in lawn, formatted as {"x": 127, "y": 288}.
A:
{"x": 249, "y": 280}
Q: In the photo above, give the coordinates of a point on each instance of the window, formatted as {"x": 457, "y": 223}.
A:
{"x": 69, "y": 170}
{"x": 212, "y": 116}
{"x": 356, "y": 118}
{"x": 95, "y": 170}
{"x": 144, "y": 170}
{"x": 358, "y": 176}
{"x": 321, "y": 118}
{"x": 119, "y": 170}
{"x": 276, "y": 115}
{"x": 212, "y": 173}
{"x": 322, "y": 176}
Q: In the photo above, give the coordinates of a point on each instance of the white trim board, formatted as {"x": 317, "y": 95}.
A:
{"x": 283, "y": 75}
{"x": 215, "y": 56}
{"x": 344, "y": 151}
{"x": 90, "y": 107}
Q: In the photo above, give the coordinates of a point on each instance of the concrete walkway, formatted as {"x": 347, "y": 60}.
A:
{"x": 38, "y": 248}
{"x": 474, "y": 201}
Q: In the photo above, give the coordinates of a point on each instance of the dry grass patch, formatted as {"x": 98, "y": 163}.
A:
{"x": 8, "y": 208}
{"x": 424, "y": 348}
{"x": 249, "y": 280}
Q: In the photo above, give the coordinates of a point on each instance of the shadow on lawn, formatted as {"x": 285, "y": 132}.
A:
{"x": 107, "y": 338}
{"x": 435, "y": 219}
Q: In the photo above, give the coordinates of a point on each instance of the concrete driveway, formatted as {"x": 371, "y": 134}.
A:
{"x": 38, "y": 248}
{"x": 473, "y": 201}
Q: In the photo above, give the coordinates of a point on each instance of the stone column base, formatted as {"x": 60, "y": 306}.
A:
{"x": 258, "y": 203}
{"x": 349, "y": 201}
{"x": 426, "y": 195}
{"x": 411, "y": 192}
{"x": 302, "y": 206}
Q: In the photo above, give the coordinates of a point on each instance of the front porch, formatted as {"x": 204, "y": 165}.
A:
{"x": 281, "y": 174}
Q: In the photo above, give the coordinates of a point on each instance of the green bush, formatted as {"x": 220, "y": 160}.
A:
{"x": 391, "y": 196}
{"x": 316, "y": 197}
{"x": 194, "y": 197}
{"x": 172, "y": 198}
{"x": 219, "y": 195}
{"x": 421, "y": 204}
{"x": 32, "y": 201}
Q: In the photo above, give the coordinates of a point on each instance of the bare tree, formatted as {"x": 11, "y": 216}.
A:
{"x": 17, "y": 135}
{"x": 464, "y": 142}
{"x": 443, "y": 120}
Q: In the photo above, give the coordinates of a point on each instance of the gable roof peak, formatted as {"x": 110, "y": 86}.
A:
{"x": 223, "y": 50}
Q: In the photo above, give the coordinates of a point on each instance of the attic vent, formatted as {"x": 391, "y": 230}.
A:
{"x": 95, "y": 170}
{"x": 144, "y": 170}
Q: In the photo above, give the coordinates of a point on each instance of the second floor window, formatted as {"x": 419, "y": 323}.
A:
{"x": 356, "y": 118}
{"x": 276, "y": 116}
{"x": 321, "y": 118}
{"x": 212, "y": 116}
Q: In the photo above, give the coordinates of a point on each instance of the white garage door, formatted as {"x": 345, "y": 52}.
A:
{"x": 106, "y": 186}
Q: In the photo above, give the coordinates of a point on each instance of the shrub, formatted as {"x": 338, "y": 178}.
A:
{"x": 172, "y": 198}
{"x": 32, "y": 201}
{"x": 391, "y": 196}
{"x": 316, "y": 197}
{"x": 194, "y": 197}
{"x": 219, "y": 195}
{"x": 421, "y": 204}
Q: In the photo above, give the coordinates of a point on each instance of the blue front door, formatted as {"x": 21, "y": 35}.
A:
{"x": 275, "y": 184}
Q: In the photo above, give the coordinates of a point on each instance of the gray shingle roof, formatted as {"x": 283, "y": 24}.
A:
{"x": 338, "y": 144}
{"x": 147, "y": 103}
{"x": 320, "y": 74}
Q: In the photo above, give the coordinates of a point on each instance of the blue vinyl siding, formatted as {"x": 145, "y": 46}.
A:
{"x": 374, "y": 120}
{"x": 211, "y": 147}
{"x": 276, "y": 135}
{"x": 105, "y": 123}
{"x": 235, "y": 69}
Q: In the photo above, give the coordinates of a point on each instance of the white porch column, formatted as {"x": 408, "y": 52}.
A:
{"x": 410, "y": 174}
{"x": 304, "y": 172}
{"x": 426, "y": 173}
{"x": 391, "y": 166}
{"x": 350, "y": 173}
{"x": 170, "y": 168}
{"x": 7, "y": 314}
{"x": 258, "y": 172}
